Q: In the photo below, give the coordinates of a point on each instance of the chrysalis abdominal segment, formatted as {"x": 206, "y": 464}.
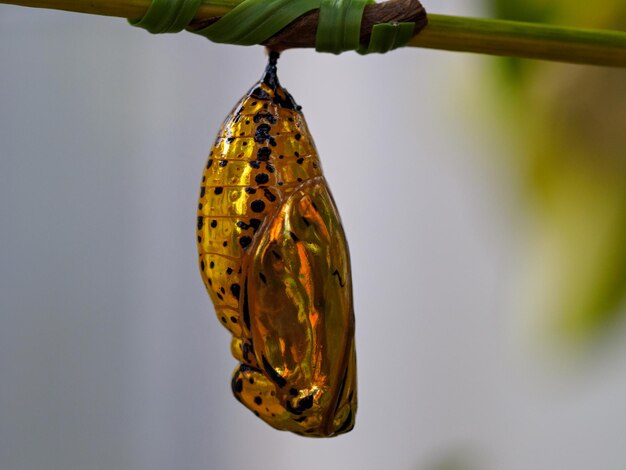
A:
{"x": 274, "y": 259}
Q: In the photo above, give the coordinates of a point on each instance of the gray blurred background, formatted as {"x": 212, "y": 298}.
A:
{"x": 110, "y": 354}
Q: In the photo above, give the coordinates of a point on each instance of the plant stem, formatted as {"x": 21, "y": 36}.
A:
{"x": 486, "y": 36}
{"x": 529, "y": 40}
{"x": 132, "y": 9}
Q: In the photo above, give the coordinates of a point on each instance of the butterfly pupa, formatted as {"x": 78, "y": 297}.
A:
{"x": 274, "y": 259}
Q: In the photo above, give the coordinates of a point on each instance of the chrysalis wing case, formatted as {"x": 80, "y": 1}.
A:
{"x": 274, "y": 259}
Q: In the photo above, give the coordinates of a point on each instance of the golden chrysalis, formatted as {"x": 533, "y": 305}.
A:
{"x": 275, "y": 261}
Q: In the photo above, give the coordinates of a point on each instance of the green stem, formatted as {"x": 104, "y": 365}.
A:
{"x": 486, "y": 36}
{"x": 529, "y": 40}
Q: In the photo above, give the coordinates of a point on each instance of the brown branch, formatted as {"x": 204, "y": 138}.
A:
{"x": 301, "y": 33}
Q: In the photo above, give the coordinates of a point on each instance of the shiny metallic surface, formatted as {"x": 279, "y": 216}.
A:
{"x": 274, "y": 259}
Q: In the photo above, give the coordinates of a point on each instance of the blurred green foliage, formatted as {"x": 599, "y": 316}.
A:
{"x": 571, "y": 121}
